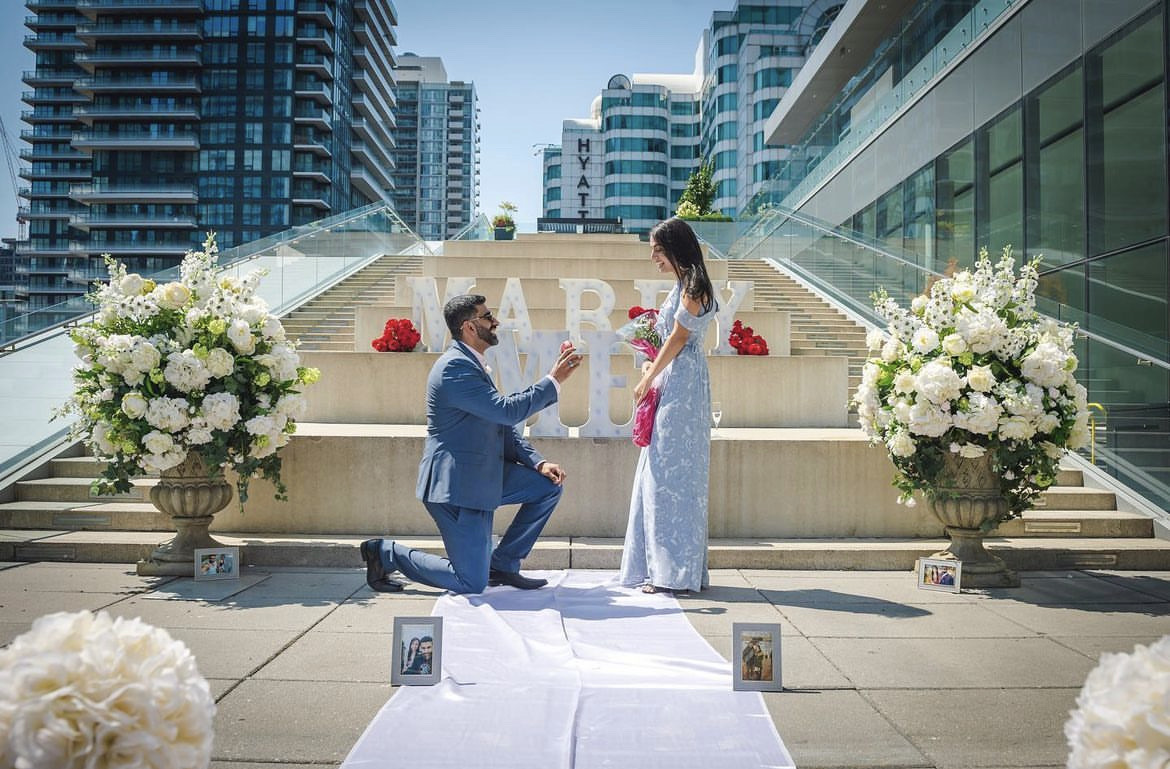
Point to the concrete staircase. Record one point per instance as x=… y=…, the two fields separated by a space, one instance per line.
x=326 y=322
x=818 y=328
x=785 y=493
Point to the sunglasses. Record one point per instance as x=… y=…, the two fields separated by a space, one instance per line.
x=486 y=316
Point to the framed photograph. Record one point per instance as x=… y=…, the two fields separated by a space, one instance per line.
x=217 y=563
x=755 y=657
x=418 y=651
x=939 y=574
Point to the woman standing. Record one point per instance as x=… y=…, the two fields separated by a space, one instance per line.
x=666 y=538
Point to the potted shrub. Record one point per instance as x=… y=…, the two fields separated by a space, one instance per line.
x=504 y=224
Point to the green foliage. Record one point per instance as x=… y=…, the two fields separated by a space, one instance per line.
x=700 y=190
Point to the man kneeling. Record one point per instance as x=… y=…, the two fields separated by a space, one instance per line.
x=475 y=459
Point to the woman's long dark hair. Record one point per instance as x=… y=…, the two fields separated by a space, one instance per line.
x=685 y=255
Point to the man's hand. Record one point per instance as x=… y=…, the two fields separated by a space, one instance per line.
x=567 y=363
x=553 y=472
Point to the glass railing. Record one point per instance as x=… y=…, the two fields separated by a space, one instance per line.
x=871 y=98
x=36 y=365
x=479 y=228
x=1125 y=371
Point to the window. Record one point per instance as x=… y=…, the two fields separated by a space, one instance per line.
x=1055 y=121
x=1127 y=189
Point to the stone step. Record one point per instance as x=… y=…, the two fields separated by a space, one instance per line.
x=1024 y=554
x=1097 y=524
x=73 y=489
x=117 y=516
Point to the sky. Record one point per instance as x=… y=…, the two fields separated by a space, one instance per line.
x=534 y=63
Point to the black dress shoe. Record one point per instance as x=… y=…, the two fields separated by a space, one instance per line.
x=514 y=579
x=376 y=577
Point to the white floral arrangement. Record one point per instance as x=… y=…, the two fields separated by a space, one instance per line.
x=1122 y=718
x=80 y=690
x=198 y=364
x=972 y=368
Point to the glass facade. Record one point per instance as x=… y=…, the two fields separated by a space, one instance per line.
x=1070 y=166
x=152 y=124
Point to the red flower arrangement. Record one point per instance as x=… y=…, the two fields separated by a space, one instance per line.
x=640 y=332
x=398 y=335
x=746 y=341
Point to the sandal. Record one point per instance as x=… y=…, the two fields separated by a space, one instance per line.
x=648 y=588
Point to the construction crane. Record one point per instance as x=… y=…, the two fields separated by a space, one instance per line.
x=8 y=145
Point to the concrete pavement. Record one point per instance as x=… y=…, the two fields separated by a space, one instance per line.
x=877 y=672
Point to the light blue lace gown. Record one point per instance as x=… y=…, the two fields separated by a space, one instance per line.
x=666 y=538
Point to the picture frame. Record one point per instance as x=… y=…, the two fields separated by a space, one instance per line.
x=755 y=657
x=942 y=574
x=217 y=563
x=409 y=665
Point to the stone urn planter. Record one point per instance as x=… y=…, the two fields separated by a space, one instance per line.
x=192 y=497
x=966 y=497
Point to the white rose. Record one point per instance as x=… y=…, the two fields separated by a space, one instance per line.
x=918 y=304
x=962 y=288
x=875 y=339
x=1016 y=428
x=925 y=340
x=954 y=344
x=904 y=381
x=901 y=445
x=131 y=285
x=157 y=442
x=172 y=296
x=134 y=404
x=980 y=378
x=891 y=349
x=239 y=333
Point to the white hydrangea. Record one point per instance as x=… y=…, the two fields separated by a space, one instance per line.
x=185 y=372
x=221 y=410
x=929 y=420
x=938 y=383
x=86 y=691
x=169 y=414
x=1046 y=365
x=1122 y=718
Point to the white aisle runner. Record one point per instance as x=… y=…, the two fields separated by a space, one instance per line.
x=582 y=674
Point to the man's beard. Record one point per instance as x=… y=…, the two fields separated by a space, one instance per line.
x=487 y=335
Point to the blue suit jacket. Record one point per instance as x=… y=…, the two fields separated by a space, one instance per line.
x=471 y=432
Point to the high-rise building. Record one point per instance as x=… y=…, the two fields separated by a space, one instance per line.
x=436 y=176
x=647 y=133
x=154 y=122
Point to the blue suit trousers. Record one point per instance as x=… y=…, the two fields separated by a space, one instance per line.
x=467 y=536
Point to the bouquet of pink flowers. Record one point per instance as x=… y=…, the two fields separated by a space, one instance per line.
x=640 y=333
